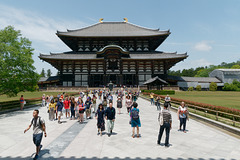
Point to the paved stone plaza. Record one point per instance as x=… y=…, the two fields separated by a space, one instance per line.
x=71 y=140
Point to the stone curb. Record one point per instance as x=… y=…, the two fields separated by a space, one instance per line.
x=210 y=121
x=18 y=109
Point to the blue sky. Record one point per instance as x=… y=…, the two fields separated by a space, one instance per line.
x=209 y=31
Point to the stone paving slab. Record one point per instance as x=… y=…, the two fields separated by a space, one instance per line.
x=201 y=142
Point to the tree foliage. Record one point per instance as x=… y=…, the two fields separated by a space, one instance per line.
x=43 y=74
x=204 y=71
x=190 y=88
x=213 y=86
x=198 y=87
x=17 y=72
x=49 y=73
x=234 y=86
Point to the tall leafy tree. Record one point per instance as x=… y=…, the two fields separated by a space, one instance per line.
x=17 y=72
x=43 y=74
x=49 y=73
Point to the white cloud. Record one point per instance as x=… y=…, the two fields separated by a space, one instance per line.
x=203 y=46
x=36 y=27
x=40 y=30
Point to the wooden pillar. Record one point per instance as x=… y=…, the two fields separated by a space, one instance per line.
x=152 y=67
x=104 y=72
x=61 y=73
x=89 y=69
x=121 y=71
x=165 y=70
x=136 y=69
x=73 y=72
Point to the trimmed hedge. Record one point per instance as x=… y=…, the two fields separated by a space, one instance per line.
x=6 y=105
x=160 y=92
x=207 y=106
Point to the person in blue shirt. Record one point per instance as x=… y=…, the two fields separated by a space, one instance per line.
x=135 y=119
x=110 y=117
x=59 y=108
x=88 y=105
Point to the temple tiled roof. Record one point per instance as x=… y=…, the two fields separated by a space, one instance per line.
x=133 y=55
x=155 y=80
x=194 y=79
x=113 y=29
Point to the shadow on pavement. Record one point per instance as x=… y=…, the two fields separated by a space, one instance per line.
x=106 y=158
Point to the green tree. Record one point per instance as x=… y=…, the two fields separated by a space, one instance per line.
x=198 y=87
x=190 y=88
x=43 y=74
x=236 y=66
x=49 y=73
x=17 y=72
x=213 y=86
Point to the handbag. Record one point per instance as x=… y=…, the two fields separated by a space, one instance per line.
x=161 y=118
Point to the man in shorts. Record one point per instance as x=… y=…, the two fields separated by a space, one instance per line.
x=88 y=104
x=67 y=103
x=38 y=129
x=59 y=108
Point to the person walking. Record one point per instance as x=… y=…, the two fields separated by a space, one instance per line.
x=135 y=119
x=59 y=108
x=21 y=102
x=67 y=104
x=43 y=100
x=72 y=107
x=104 y=102
x=182 y=116
x=51 y=110
x=119 y=104
x=152 y=98
x=88 y=105
x=56 y=101
x=134 y=97
x=158 y=102
x=165 y=120
x=94 y=101
x=39 y=127
x=128 y=103
x=168 y=100
x=110 y=117
x=100 y=119
x=81 y=110
x=47 y=101
x=110 y=98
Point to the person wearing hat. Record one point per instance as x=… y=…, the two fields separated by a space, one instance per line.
x=119 y=104
x=59 y=108
x=100 y=119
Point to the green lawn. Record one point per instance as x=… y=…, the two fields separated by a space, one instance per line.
x=219 y=98
x=27 y=95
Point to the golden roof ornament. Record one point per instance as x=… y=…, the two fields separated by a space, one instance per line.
x=101 y=20
x=125 y=20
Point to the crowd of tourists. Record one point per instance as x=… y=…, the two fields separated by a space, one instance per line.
x=84 y=107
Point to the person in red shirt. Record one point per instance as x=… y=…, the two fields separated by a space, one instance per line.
x=21 y=102
x=61 y=96
x=67 y=106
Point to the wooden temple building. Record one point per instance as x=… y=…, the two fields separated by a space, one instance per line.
x=120 y=52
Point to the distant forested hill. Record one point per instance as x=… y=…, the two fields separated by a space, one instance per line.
x=203 y=71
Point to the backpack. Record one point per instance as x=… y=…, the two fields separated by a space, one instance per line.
x=39 y=118
x=135 y=114
x=105 y=103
